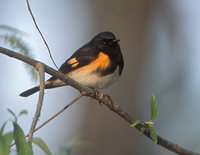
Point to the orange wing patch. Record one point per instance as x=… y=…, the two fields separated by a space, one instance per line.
x=72 y=61
x=75 y=64
x=101 y=62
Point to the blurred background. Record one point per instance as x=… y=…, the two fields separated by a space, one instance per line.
x=160 y=44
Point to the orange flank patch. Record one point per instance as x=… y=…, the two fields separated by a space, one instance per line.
x=102 y=62
x=72 y=61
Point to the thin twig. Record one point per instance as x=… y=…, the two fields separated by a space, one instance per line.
x=100 y=97
x=40 y=68
x=56 y=114
x=38 y=29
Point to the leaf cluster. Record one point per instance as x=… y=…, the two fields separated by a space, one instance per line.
x=13 y=37
x=148 y=126
x=18 y=137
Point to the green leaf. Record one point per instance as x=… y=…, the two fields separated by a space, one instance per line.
x=42 y=145
x=2 y=128
x=137 y=123
x=23 y=148
x=5 y=142
x=153 y=133
x=14 y=115
x=8 y=138
x=23 y=112
x=154 y=108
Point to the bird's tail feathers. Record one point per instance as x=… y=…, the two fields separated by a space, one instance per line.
x=51 y=83
x=30 y=91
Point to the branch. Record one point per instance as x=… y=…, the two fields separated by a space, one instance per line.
x=105 y=99
x=40 y=68
x=55 y=115
x=58 y=113
x=38 y=29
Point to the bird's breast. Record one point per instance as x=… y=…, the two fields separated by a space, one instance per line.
x=93 y=79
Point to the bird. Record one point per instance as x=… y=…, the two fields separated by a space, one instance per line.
x=97 y=64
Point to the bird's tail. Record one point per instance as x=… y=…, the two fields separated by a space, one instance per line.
x=30 y=91
x=51 y=83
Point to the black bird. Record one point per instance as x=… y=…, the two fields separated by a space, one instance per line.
x=97 y=64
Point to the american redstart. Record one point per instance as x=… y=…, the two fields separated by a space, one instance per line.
x=97 y=64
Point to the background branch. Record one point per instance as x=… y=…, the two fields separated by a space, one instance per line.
x=55 y=115
x=38 y=29
x=58 y=113
x=105 y=99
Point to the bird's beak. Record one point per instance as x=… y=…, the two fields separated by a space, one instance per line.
x=115 y=40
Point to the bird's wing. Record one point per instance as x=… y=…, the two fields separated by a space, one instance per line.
x=80 y=58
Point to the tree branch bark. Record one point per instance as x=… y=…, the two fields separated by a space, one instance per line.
x=40 y=68
x=105 y=99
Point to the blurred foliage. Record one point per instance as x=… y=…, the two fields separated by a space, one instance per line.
x=148 y=126
x=23 y=112
x=23 y=147
x=39 y=142
x=13 y=37
x=5 y=141
x=74 y=143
